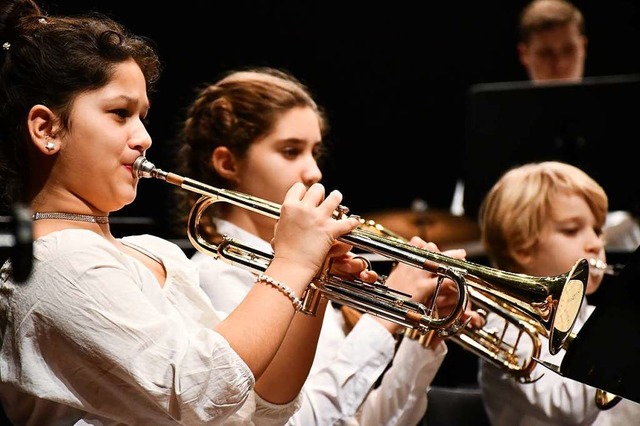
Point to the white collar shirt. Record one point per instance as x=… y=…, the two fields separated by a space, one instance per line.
x=92 y=338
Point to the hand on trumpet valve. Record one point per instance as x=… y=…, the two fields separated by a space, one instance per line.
x=306 y=233
x=447 y=298
x=421 y=284
x=475 y=319
x=425 y=286
x=348 y=265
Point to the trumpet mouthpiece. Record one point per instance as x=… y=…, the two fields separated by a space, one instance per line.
x=142 y=167
x=603 y=267
x=597 y=263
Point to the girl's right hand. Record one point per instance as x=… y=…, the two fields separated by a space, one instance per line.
x=306 y=230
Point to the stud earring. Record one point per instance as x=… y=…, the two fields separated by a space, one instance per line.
x=50 y=146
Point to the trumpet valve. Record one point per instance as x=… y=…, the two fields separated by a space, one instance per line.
x=311 y=300
x=422 y=336
x=343 y=211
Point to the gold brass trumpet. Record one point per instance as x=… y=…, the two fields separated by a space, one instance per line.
x=491 y=345
x=536 y=305
x=374 y=298
x=488 y=343
x=606 y=400
x=552 y=301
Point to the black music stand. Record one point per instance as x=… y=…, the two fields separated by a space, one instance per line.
x=589 y=124
x=606 y=352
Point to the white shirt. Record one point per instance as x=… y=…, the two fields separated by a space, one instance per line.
x=338 y=390
x=92 y=338
x=553 y=399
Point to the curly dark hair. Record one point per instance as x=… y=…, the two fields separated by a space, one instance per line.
x=49 y=60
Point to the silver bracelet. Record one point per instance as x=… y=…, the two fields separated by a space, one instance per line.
x=297 y=303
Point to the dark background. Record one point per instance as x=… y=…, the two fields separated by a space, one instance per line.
x=393 y=78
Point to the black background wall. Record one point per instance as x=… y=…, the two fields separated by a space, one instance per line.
x=393 y=77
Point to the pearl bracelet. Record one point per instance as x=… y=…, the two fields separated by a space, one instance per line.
x=297 y=303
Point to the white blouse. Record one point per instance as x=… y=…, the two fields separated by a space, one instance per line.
x=339 y=390
x=92 y=338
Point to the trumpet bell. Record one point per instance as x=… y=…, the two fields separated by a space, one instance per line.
x=571 y=292
x=552 y=301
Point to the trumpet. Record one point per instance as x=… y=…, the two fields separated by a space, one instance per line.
x=374 y=298
x=502 y=293
x=488 y=343
x=552 y=301
x=491 y=345
x=606 y=400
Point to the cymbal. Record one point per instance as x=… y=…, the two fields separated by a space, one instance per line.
x=438 y=226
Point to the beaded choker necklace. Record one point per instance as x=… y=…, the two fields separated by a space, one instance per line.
x=71 y=216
